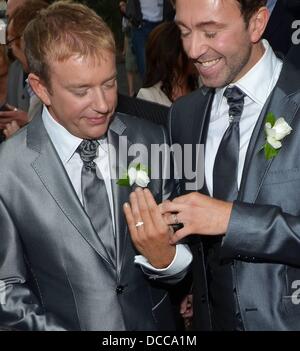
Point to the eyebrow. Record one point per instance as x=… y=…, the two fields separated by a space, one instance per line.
x=83 y=86
x=203 y=24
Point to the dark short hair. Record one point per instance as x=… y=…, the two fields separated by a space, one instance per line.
x=249 y=7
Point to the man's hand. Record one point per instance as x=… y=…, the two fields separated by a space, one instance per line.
x=21 y=117
x=199 y=214
x=152 y=238
x=186 y=310
x=10 y=129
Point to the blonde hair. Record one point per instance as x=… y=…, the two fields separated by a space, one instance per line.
x=63 y=30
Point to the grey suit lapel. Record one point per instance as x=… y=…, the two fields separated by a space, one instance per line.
x=201 y=125
x=52 y=174
x=281 y=104
x=118 y=140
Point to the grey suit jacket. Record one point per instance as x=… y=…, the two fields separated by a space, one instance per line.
x=56 y=271
x=263 y=239
x=17 y=94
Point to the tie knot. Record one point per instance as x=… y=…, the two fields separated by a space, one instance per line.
x=88 y=151
x=235 y=99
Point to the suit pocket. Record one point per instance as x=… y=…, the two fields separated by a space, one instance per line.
x=282 y=188
x=291 y=299
x=282 y=176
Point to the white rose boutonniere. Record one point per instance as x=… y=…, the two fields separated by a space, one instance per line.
x=136 y=174
x=276 y=130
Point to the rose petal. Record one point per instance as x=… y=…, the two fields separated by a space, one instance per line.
x=282 y=129
x=274 y=143
x=132 y=174
x=142 y=179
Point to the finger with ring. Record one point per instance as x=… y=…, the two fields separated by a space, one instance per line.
x=175 y=219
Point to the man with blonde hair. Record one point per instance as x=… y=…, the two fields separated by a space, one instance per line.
x=67 y=260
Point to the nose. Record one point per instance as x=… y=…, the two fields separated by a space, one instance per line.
x=195 y=46
x=100 y=103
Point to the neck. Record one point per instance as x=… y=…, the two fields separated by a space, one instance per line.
x=257 y=53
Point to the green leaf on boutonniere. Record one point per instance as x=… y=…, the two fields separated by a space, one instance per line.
x=124 y=181
x=137 y=174
x=141 y=167
x=271 y=118
x=270 y=152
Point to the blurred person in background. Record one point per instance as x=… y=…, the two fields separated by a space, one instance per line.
x=16 y=118
x=279 y=30
x=170 y=74
x=145 y=15
x=130 y=59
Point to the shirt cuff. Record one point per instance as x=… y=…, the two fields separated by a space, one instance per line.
x=182 y=259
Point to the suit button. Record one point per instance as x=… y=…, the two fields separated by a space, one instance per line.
x=203 y=299
x=119 y=289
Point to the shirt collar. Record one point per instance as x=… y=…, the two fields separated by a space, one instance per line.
x=64 y=142
x=251 y=83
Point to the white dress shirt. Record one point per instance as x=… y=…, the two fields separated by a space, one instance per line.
x=66 y=144
x=257 y=84
x=154 y=94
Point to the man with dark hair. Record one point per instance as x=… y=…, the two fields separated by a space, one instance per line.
x=246 y=217
x=67 y=261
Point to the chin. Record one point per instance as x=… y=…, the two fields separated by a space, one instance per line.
x=97 y=133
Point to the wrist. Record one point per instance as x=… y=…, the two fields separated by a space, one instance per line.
x=163 y=260
x=225 y=217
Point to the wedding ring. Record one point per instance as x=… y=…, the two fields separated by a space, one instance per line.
x=139 y=224
x=175 y=219
x=15 y=109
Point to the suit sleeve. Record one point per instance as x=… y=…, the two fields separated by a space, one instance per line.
x=20 y=309
x=262 y=233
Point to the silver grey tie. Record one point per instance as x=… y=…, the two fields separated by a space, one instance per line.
x=94 y=195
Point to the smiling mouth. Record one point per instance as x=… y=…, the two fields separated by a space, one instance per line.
x=209 y=63
x=97 y=120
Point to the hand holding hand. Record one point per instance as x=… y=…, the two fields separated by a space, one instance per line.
x=199 y=214
x=149 y=232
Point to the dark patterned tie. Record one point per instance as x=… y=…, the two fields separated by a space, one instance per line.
x=225 y=172
x=94 y=196
x=225 y=310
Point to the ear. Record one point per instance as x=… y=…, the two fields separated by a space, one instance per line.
x=258 y=23
x=39 y=88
